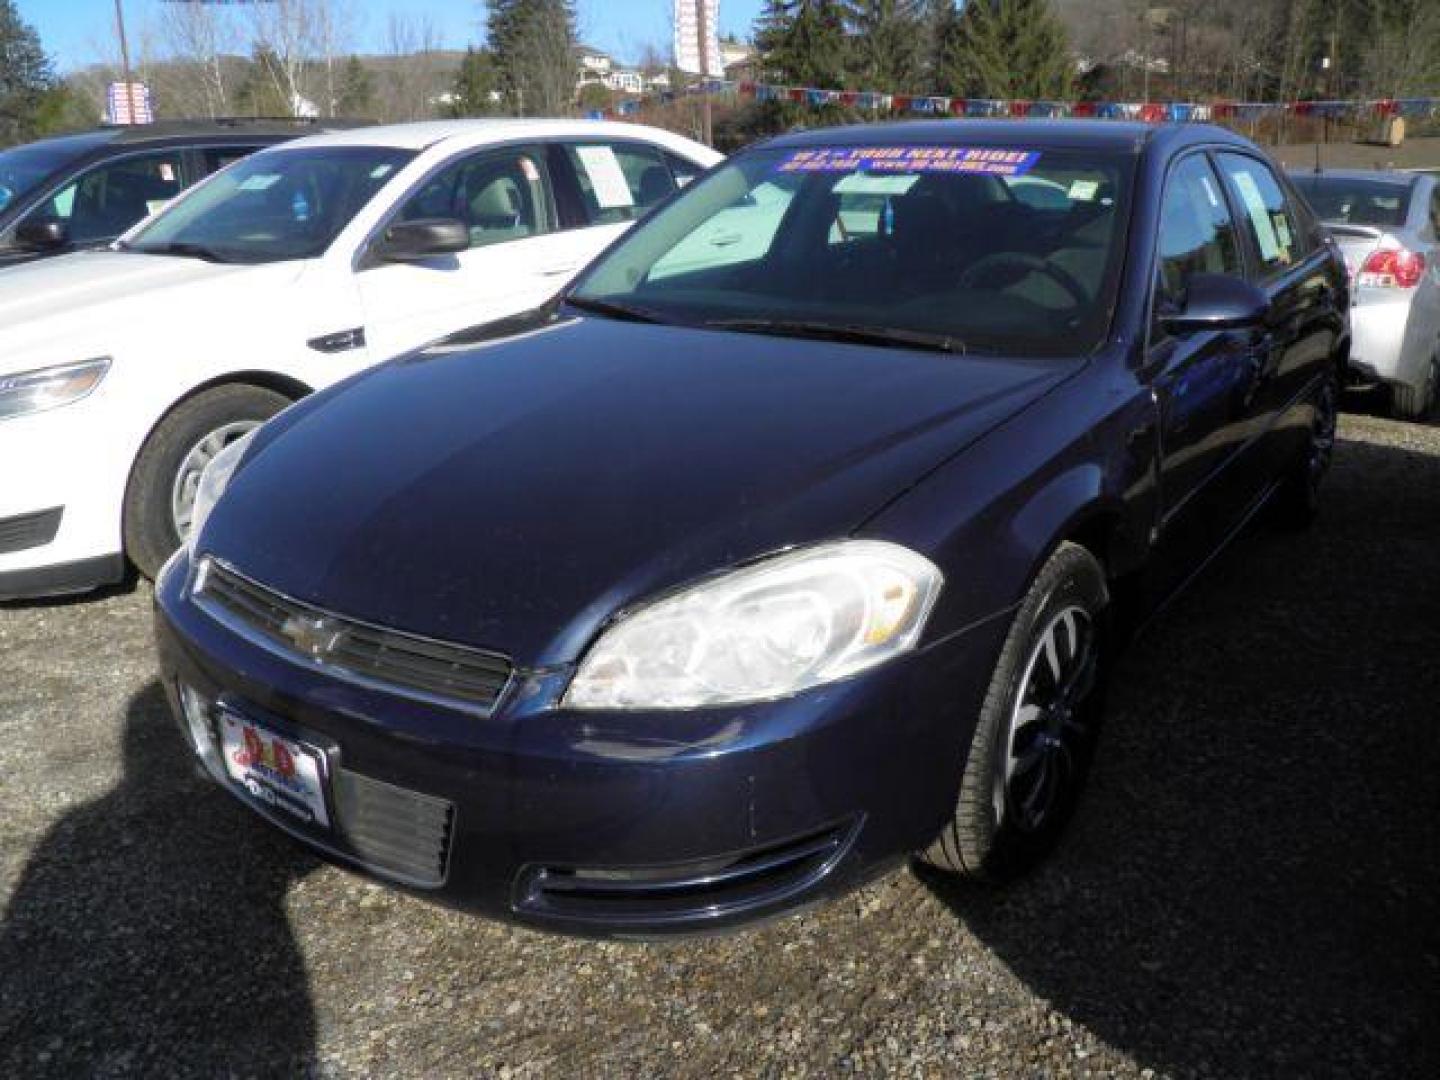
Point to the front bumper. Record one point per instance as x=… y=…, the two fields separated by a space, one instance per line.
x=63 y=460
x=610 y=824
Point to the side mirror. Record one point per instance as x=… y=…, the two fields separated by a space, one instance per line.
x=1218 y=302
x=42 y=234
x=408 y=241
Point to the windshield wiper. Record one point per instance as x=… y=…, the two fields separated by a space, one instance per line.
x=178 y=247
x=849 y=332
x=616 y=310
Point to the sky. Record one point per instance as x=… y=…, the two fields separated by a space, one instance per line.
x=80 y=32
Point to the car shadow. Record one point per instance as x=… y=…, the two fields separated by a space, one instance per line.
x=1252 y=885
x=148 y=933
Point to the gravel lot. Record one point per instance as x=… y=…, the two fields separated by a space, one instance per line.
x=1251 y=887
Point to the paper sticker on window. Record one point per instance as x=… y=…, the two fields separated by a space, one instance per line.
x=152 y=205
x=1083 y=190
x=870 y=184
x=1259 y=215
x=528 y=170
x=167 y=172
x=380 y=171
x=607 y=179
x=259 y=182
x=1282 y=228
x=981 y=161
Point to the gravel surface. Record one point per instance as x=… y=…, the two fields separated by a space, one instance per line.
x=1251 y=887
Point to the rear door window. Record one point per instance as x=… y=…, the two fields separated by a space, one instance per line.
x=217 y=157
x=1271 y=222
x=619 y=181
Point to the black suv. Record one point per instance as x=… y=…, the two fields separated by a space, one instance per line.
x=82 y=191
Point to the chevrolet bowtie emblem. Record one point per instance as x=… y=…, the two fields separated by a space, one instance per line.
x=314 y=636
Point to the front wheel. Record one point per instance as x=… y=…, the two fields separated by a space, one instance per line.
x=1036 y=732
x=161 y=493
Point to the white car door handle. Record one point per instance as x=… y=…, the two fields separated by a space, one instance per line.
x=556 y=271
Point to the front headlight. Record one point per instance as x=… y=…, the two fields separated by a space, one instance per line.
x=766 y=631
x=27 y=392
x=213 y=482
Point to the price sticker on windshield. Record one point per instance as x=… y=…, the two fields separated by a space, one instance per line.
x=974 y=160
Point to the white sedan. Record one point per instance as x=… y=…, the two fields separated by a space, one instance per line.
x=122 y=372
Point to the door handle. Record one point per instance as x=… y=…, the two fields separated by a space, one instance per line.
x=725 y=239
x=556 y=271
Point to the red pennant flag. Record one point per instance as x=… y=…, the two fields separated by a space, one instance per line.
x=849 y=97
x=795 y=93
x=1019 y=108
x=958 y=106
x=1152 y=112
x=1083 y=108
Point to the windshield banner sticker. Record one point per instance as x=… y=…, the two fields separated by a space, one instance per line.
x=910 y=159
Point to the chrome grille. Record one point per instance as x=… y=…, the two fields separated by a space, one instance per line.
x=394 y=660
x=400 y=832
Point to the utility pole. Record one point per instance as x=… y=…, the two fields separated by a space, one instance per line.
x=706 y=124
x=125 y=62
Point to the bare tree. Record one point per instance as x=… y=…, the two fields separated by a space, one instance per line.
x=198 y=37
x=411 y=83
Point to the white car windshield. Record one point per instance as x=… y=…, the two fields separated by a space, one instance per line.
x=276 y=205
x=1012 y=250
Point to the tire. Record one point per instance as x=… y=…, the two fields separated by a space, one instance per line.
x=1297 y=500
x=1416 y=402
x=221 y=415
x=996 y=832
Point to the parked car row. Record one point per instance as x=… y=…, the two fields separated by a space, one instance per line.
x=286 y=272
x=794 y=537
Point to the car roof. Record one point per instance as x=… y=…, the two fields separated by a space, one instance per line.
x=84 y=142
x=1125 y=136
x=228 y=127
x=424 y=134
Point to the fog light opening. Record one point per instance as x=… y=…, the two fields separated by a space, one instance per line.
x=198 y=719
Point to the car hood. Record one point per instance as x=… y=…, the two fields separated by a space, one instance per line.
x=95 y=300
x=514 y=495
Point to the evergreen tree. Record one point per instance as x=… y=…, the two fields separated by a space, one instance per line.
x=1010 y=49
x=887 y=44
x=260 y=93
x=27 y=78
x=939 y=28
x=476 y=84
x=803 y=43
x=533 y=43
x=356 y=94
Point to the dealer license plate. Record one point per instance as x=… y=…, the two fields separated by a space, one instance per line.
x=275 y=770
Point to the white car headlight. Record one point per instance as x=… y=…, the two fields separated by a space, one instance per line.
x=213 y=482
x=762 y=632
x=27 y=392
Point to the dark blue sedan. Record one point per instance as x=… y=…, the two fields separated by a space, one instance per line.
x=794 y=540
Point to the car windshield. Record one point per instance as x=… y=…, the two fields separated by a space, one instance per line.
x=1356 y=200
x=275 y=205
x=26 y=167
x=1011 y=250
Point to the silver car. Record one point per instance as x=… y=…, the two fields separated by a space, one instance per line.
x=1388 y=227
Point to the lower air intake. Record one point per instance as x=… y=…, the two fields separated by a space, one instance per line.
x=686 y=892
